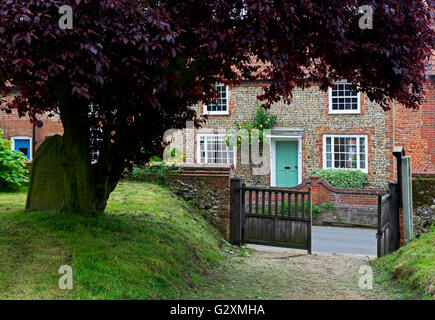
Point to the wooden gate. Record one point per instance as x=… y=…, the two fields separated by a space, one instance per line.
x=388 y=234
x=270 y=216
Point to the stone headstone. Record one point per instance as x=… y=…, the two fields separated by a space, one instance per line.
x=46 y=189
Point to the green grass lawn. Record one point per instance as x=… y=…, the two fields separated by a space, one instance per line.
x=413 y=265
x=148 y=245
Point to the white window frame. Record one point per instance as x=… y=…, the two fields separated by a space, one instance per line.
x=198 y=148
x=23 y=138
x=331 y=111
x=217 y=113
x=357 y=137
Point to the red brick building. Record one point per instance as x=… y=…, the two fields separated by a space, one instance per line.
x=23 y=135
x=415 y=129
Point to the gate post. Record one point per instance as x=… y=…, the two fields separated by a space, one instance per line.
x=310 y=222
x=398 y=153
x=394 y=215
x=379 y=232
x=235 y=214
x=406 y=189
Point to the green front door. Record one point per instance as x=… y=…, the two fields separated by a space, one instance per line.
x=286 y=163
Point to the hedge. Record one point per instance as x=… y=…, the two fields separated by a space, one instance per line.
x=342 y=178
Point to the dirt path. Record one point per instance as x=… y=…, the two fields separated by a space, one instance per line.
x=289 y=275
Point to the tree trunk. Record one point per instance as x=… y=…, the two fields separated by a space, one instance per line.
x=84 y=188
x=79 y=183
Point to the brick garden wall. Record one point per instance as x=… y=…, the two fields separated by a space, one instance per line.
x=208 y=187
x=353 y=207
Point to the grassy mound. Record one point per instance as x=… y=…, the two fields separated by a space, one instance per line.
x=148 y=245
x=412 y=265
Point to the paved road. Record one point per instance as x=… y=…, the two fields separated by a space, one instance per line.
x=335 y=240
x=344 y=240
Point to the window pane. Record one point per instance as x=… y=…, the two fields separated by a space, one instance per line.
x=363 y=151
x=219 y=104
x=213 y=149
x=362 y=142
x=329 y=160
x=362 y=159
x=344 y=98
x=344 y=152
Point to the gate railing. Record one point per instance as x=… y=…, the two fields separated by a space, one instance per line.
x=275 y=201
x=274 y=216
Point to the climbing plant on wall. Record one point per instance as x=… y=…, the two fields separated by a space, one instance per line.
x=263 y=120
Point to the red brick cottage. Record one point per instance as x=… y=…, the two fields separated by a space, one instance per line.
x=24 y=136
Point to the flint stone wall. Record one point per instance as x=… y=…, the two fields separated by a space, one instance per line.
x=207 y=186
x=308 y=111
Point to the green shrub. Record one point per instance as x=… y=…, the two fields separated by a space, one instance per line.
x=343 y=178
x=137 y=174
x=316 y=208
x=13 y=172
x=153 y=173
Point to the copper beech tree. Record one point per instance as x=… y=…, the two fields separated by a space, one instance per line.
x=131 y=69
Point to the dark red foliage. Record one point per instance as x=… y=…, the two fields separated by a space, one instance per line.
x=140 y=64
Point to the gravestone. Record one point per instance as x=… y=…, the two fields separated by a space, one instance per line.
x=46 y=189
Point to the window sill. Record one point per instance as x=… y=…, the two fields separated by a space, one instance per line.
x=362 y=170
x=344 y=112
x=216 y=114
